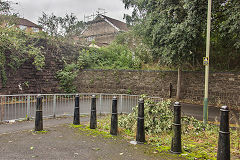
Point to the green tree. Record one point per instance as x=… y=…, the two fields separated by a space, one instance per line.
x=226 y=35
x=67 y=76
x=175 y=29
x=5 y=8
x=6 y=12
x=64 y=26
x=50 y=24
x=70 y=25
x=134 y=43
x=171 y=28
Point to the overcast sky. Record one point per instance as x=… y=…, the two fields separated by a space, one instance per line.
x=32 y=9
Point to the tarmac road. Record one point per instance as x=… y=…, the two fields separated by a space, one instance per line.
x=213 y=113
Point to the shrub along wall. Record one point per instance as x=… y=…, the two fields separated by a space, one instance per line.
x=224 y=88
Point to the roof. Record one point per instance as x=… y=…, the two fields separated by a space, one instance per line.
x=118 y=25
x=25 y=22
x=20 y=21
x=121 y=25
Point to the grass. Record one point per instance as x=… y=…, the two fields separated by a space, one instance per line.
x=40 y=132
x=201 y=144
x=93 y=132
x=197 y=143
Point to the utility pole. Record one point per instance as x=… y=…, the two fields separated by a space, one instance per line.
x=206 y=59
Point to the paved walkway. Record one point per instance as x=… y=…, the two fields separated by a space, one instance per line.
x=29 y=125
x=18 y=141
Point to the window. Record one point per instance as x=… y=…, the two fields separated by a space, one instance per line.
x=35 y=29
x=22 y=27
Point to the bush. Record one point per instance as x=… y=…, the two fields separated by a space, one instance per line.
x=16 y=46
x=158 y=118
x=67 y=77
x=111 y=57
x=199 y=141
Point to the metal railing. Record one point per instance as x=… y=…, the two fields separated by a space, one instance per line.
x=14 y=107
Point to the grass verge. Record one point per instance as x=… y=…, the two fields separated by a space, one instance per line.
x=196 y=145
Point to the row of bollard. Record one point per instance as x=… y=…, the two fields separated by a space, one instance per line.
x=176 y=146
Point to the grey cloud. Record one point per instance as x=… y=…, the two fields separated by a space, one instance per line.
x=32 y=9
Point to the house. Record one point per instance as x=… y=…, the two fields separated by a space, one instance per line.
x=27 y=25
x=21 y=23
x=102 y=30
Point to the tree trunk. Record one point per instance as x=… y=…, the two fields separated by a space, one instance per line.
x=179 y=84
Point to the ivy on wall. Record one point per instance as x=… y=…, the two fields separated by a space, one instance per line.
x=16 y=46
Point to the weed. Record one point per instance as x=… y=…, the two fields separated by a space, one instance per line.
x=93 y=132
x=41 y=132
x=198 y=141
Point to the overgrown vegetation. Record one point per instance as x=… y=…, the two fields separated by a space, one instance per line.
x=112 y=57
x=66 y=26
x=198 y=141
x=16 y=47
x=67 y=76
x=174 y=31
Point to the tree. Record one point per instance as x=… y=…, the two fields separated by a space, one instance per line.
x=71 y=25
x=171 y=28
x=5 y=7
x=175 y=29
x=50 y=24
x=6 y=12
x=64 y=26
x=226 y=35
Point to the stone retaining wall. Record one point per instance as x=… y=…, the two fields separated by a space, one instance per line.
x=27 y=79
x=224 y=88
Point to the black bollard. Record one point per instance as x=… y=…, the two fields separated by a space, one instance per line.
x=140 y=137
x=224 y=135
x=170 y=90
x=93 y=118
x=114 y=118
x=176 y=146
x=76 y=119
x=39 y=118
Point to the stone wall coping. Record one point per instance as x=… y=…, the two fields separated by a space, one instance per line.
x=126 y=70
